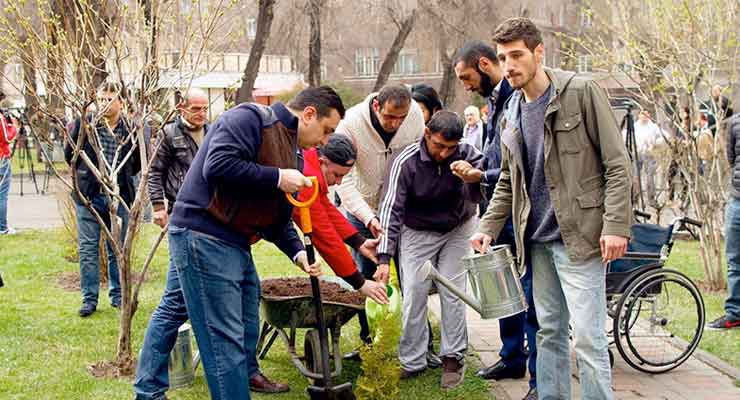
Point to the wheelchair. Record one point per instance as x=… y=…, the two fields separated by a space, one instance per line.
x=648 y=302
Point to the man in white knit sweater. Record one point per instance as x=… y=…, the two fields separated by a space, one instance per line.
x=380 y=126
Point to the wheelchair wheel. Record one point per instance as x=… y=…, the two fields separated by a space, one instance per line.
x=655 y=311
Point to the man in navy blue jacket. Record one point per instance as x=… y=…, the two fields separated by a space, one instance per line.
x=478 y=69
x=234 y=195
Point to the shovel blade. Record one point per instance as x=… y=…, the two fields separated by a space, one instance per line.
x=339 y=392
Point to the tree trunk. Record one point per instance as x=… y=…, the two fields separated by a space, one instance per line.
x=264 y=21
x=391 y=57
x=449 y=80
x=447 y=86
x=314 y=44
x=150 y=78
x=29 y=83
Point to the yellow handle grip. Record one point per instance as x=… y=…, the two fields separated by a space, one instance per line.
x=306 y=226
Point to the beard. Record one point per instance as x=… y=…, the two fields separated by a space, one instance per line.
x=486 y=84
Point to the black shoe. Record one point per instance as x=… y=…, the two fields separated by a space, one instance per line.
x=433 y=360
x=531 y=395
x=723 y=323
x=500 y=371
x=115 y=304
x=353 y=355
x=87 y=310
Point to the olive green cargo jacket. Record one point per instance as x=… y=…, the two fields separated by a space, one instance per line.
x=586 y=167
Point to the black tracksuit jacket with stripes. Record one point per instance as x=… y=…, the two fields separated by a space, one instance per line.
x=425 y=195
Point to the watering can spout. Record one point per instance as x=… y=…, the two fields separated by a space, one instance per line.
x=432 y=274
x=495 y=289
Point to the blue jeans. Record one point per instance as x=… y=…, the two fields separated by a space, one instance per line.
x=513 y=329
x=152 y=378
x=732 y=248
x=221 y=289
x=88 y=237
x=5 y=176
x=570 y=291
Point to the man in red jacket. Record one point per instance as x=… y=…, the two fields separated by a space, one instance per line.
x=7 y=134
x=331 y=231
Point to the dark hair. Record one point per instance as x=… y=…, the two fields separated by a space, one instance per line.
x=446 y=123
x=426 y=95
x=398 y=94
x=323 y=98
x=339 y=150
x=113 y=87
x=518 y=28
x=471 y=52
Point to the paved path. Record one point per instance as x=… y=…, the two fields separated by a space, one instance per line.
x=693 y=380
x=34 y=211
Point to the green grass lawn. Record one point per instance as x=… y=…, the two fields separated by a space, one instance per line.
x=723 y=344
x=45 y=347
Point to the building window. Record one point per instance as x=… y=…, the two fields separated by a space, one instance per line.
x=584 y=63
x=367 y=61
x=407 y=63
x=251 y=28
x=585 y=17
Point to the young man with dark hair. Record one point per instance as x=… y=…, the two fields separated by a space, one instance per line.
x=483 y=75
x=112 y=136
x=234 y=195
x=331 y=230
x=565 y=182
x=427 y=214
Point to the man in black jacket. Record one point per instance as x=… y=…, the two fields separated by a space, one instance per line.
x=180 y=141
x=115 y=141
x=430 y=212
x=731 y=318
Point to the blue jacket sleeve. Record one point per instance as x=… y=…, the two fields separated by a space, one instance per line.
x=233 y=150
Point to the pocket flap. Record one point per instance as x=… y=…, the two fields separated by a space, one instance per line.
x=568 y=123
x=590 y=199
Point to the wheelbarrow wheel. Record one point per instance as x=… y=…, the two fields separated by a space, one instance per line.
x=312 y=352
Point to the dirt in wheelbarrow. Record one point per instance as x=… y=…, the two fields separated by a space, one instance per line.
x=330 y=291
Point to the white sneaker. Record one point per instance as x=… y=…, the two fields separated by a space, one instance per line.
x=9 y=231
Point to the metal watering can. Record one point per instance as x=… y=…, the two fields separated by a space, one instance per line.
x=182 y=363
x=496 y=291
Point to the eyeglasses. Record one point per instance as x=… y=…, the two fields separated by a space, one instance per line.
x=197 y=110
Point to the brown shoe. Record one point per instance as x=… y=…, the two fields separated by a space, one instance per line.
x=453 y=372
x=260 y=383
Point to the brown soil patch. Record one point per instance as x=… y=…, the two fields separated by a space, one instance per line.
x=112 y=369
x=70 y=281
x=294 y=287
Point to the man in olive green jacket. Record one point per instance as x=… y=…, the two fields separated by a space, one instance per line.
x=565 y=180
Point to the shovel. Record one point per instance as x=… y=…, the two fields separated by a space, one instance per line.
x=327 y=391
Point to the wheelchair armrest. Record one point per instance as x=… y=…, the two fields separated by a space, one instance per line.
x=636 y=255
